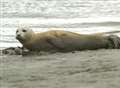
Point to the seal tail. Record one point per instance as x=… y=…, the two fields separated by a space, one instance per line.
x=114 y=42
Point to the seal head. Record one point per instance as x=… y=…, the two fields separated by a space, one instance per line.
x=24 y=34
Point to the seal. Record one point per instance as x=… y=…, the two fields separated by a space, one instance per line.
x=65 y=41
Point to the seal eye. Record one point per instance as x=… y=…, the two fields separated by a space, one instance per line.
x=24 y=30
x=17 y=31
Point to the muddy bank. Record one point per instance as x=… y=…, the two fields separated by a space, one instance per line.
x=85 y=69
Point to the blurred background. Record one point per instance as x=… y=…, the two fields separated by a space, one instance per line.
x=81 y=16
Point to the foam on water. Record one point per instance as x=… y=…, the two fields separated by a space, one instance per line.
x=13 y=22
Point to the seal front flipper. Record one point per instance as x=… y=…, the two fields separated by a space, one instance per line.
x=56 y=43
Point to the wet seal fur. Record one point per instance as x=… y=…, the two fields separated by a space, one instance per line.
x=65 y=41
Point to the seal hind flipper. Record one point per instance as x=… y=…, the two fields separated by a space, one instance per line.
x=115 y=41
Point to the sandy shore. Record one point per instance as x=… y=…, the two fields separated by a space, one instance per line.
x=85 y=69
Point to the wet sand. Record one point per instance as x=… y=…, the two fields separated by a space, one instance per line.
x=84 y=69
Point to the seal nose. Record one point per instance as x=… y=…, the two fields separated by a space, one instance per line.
x=18 y=35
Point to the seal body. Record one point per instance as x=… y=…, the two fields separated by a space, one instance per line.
x=62 y=41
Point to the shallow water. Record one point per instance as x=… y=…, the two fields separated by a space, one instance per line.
x=82 y=16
